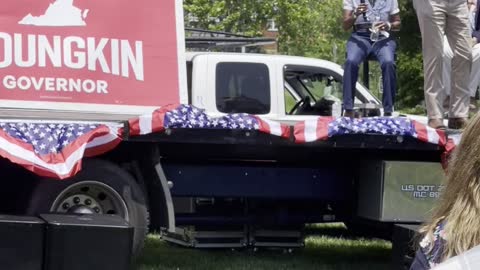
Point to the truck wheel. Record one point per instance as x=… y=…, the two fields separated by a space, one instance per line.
x=100 y=187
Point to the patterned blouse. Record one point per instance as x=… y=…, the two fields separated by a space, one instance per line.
x=433 y=250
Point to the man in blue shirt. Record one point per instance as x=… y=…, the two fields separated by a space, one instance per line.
x=372 y=21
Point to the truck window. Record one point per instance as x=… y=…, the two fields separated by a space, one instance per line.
x=242 y=88
x=313 y=83
x=322 y=86
x=289 y=101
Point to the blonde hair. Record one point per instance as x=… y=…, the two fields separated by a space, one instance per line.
x=459 y=205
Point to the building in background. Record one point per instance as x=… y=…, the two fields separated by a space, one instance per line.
x=207 y=40
x=271 y=31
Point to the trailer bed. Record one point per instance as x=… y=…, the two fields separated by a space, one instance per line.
x=56 y=148
x=248 y=144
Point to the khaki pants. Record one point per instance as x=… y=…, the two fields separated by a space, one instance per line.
x=474 y=80
x=436 y=17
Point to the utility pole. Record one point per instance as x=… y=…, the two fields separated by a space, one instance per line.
x=334 y=51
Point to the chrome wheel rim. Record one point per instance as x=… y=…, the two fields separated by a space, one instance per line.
x=90 y=197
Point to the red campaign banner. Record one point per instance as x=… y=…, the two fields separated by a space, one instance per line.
x=112 y=52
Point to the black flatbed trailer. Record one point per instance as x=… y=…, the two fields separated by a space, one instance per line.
x=248 y=144
x=260 y=187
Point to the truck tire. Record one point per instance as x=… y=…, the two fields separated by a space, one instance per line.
x=100 y=187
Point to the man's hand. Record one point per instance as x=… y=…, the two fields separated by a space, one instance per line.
x=383 y=26
x=473 y=41
x=361 y=9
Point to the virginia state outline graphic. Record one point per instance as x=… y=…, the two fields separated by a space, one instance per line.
x=59 y=13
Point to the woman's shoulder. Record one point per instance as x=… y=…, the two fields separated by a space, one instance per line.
x=433 y=246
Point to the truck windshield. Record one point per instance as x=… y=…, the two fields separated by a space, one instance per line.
x=242 y=88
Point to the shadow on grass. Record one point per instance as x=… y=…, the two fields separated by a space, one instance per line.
x=321 y=252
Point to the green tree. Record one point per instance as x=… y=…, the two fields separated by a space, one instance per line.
x=410 y=61
x=311 y=28
x=242 y=17
x=306 y=27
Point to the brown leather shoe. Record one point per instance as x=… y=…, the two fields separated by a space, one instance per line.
x=349 y=113
x=457 y=123
x=436 y=124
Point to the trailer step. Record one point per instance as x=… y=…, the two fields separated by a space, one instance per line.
x=190 y=236
x=277 y=238
x=241 y=237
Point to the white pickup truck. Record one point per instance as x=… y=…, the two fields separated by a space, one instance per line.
x=284 y=88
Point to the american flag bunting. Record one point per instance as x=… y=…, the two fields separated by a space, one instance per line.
x=322 y=128
x=185 y=116
x=56 y=149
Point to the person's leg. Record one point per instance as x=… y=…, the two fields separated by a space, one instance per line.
x=447 y=73
x=474 y=78
x=458 y=36
x=357 y=50
x=385 y=52
x=475 y=72
x=431 y=18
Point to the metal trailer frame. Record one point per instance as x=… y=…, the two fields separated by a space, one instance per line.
x=243 y=156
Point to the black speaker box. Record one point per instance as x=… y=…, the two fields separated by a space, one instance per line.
x=21 y=243
x=403 y=245
x=87 y=242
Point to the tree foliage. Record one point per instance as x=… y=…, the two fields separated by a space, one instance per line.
x=312 y=28
x=245 y=17
x=410 y=61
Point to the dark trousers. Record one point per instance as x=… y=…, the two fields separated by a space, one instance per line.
x=359 y=47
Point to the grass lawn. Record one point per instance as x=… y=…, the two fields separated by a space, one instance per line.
x=327 y=248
